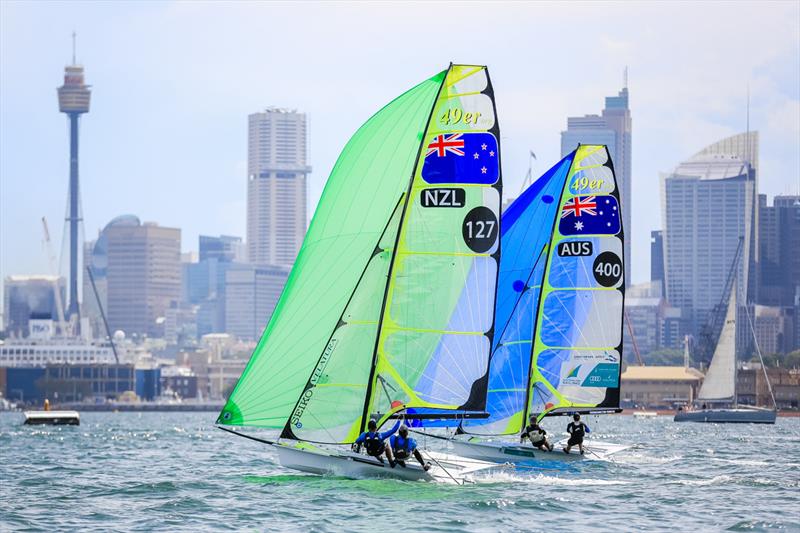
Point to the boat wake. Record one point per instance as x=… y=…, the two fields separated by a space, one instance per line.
x=643 y=459
x=542 y=479
x=716 y=480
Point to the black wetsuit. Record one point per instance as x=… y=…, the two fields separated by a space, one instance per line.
x=577 y=430
x=536 y=435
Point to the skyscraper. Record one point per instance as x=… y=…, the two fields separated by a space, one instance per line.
x=96 y=257
x=144 y=276
x=708 y=209
x=73 y=99
x=251 y=294
x=204 y=281
x=276 y=186
x=779 y=243
x=612 y=128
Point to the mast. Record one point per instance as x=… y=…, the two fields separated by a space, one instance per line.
x=368 y=395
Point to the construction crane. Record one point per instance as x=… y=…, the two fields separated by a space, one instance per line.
x=633 y=339
x=62 y=324
x=102 y=313
x=710 y=331
x=529 y=176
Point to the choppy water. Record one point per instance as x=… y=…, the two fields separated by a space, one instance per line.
x=175 y=471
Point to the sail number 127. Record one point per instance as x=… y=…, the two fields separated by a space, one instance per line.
x=479 y=229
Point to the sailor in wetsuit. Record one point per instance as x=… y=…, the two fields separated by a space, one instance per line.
x=577 y=430
x=537 y=435
x=373 y=441
x=403 y=447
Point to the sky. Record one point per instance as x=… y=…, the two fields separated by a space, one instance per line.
x=173 y=83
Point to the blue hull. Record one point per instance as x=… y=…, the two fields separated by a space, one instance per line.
x=727 y=416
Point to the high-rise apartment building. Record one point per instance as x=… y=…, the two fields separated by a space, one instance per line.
x=144 y=276
x=709 y=209
x=613 y=128
x=276 y=186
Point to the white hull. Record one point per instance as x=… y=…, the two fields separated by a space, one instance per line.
x=52 y=418
x=344 y=463
x=728 y=416
x=505 y=451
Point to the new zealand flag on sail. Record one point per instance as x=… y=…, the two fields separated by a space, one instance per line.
x=590 y=215
x=462 y=158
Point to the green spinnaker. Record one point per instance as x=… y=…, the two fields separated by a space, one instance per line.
x=362 y=191
x=415 y=330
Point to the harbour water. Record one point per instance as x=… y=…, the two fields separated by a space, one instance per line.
x=176 y=472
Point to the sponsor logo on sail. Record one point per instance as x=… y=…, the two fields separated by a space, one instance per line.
x=317 y=376
x=572 y=377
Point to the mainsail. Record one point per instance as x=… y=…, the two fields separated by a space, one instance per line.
x=577 y=350
x=409 y=324
x=720 y=381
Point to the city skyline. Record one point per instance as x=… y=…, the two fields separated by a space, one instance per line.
x=196 y=162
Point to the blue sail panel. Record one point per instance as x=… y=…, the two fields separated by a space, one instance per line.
x=525 y=232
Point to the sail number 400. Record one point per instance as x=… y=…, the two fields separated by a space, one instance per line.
x=454 y=116
x=607 y=269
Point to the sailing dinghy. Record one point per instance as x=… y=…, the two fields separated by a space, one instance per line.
x=718 y=391
x=390 y=304
x=559 y=311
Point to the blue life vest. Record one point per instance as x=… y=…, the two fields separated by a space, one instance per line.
x=400 y=443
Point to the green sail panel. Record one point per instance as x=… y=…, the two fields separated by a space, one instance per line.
x=330 y=408
x=363 y=189
x=436 y=329
x=577 y=352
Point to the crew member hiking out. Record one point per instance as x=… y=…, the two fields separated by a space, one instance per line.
x=403 y=447
x=577 y=430
x=537 y=435
x=374 y=442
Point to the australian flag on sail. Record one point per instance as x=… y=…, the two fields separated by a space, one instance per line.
x=461 y=158
x=590 y=215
